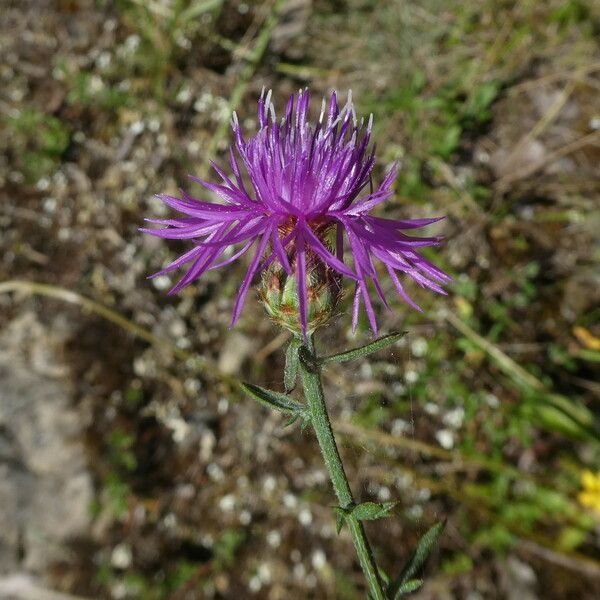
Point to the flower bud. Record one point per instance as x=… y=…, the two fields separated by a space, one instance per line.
x=279 y=293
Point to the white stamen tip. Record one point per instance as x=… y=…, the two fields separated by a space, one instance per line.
x=268 y=99
x=323 y=107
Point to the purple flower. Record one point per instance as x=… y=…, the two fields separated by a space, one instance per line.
x=305 y=183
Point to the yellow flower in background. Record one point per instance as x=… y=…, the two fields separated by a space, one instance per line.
x=590 y=495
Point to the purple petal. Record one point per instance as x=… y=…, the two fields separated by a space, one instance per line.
x=182 y=260
x=243 y=231
x=279 y=249
x=407 y=224
x=234 y=257
x=368 y=306
x=301 y=282
x=241 y=297
x=232 y=196
x=203 y=210
x=401 y=291
x=325 y=254
x=202 y=263
x=182 y=233
x=268 y=261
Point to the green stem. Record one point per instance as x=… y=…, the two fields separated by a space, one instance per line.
x=313 y=392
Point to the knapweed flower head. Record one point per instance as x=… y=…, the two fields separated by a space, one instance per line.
x=299 y=198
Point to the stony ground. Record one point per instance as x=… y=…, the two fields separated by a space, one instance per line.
x=129 y=465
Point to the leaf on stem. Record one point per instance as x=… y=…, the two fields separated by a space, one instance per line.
x=366 y=511
x=405 y=582
x=412 y=585
x=290 y=373
x=378 y=344
x=276 y=401
x=340 y=518
x=369 y=511
x=383 y=576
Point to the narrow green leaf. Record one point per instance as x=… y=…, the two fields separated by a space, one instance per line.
x=410 y=586
x=305 y=421
x=369 y=511
x=292 y=420
x=378 y=344
x=274 y=400
x=417 y=560
x=582 y=418
x=384 y=576
x=290 y=373
x=423 y=550
x=340 y=518
x=198 y=8
x=591 y=355
x=366 y=511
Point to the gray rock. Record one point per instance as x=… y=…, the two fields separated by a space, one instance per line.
x=582 y=293
x=236 y=349
x=45 y=487
x=519 y=579
x=21 y=586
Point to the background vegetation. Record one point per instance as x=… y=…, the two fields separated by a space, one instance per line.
x=486 y=416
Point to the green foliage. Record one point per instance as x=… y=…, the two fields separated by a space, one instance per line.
x=496 y=536
x=366 y=350
x=346 y=587
x=477 y=107
x=438 y=121
x=166 y=582
x=369 y=511
x=166 y=30
x=571 y=12
x=156 y=586
x=122 y=463
x=365 y=511
x=561 y=356
x=412 y=585
x=52 y=136
x=588 y=355
x=570 y=538
x=117 y=492
x=134 y=397
x=121 y=453
x=565 y=415
x=405 y=582
x=372 y=412
x=274 y=400
x=40 y=140
x=226 y=547
x=87 y=89
x=457 y=564
x=291 y=364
